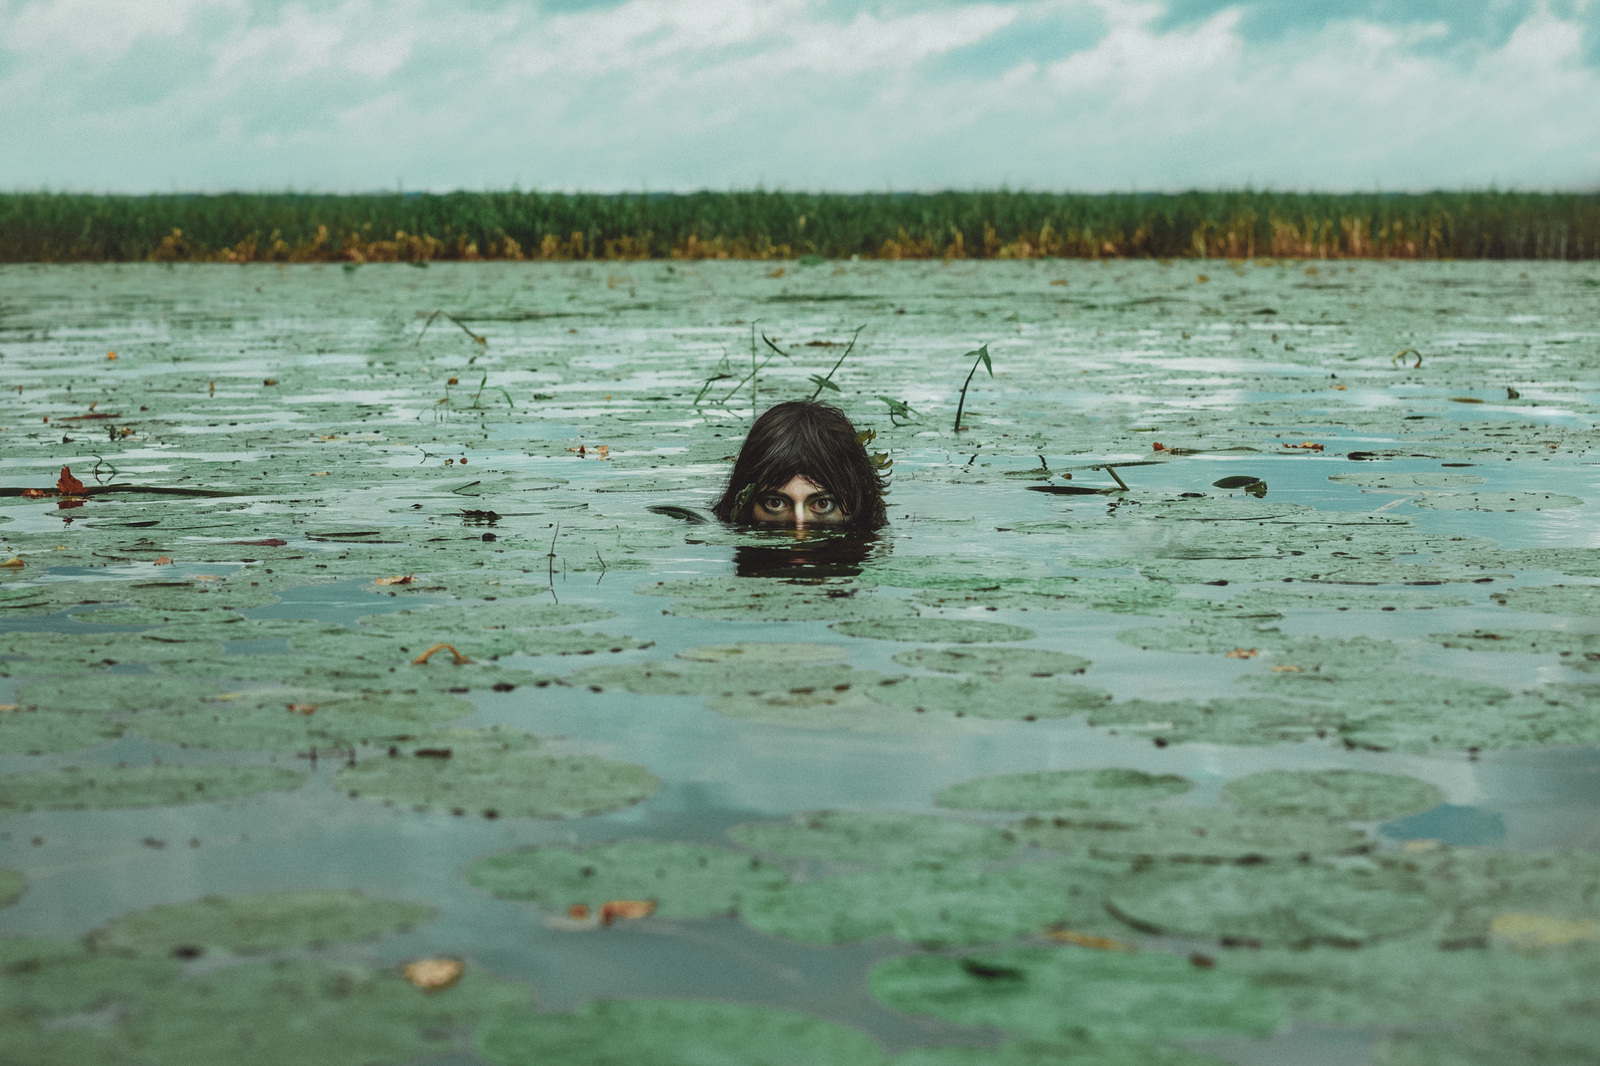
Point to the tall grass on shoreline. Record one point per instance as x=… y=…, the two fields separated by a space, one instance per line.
x=246 y=228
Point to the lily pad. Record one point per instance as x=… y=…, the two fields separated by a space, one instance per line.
x=108 y=787
x=293 y=719
x=776 y=600
x=872 y=838
x=499 y=771
x=933 y=907
x=1062 y=790
x=812 y=706
x=991 y=696
x=265 y=921
x=673 y=1032
x=1226 y=720
x=1552 y=599
x=1420 y=480
x=50 y=976
x=147 y=616
x=1026 y=662
x=1292 y=904
x=1359 y=795
x=427 y=623
x=1498 y=501
x=750 y=652
x=1200 y=834
x=1064 y=993
x=1524 y=641
x=103 y=693
x=312 y=1014
x=12 y=886
x=38 y=732
x=1082 y=1051
x=684 y=880
x=939 y=630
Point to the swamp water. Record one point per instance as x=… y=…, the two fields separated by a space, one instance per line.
x=1301 y=768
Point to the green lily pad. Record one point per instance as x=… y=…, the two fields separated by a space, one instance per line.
x=725 y=676
x=312 y=1014
x=1302 y=596
x=1498 y=501
x=1082 y=1051
x=103 y=693
x=1552 y=599
x=1062 y=790
x=38 y=732
x=872 y=838
x=991 y=696
x=1228 y=720
x=108 y=787
x=1189 y=833
x=12 y=886
x=499 y=771
x=50 y=976
x=1063 y=993
x=939 y=630
x=1361 y=795
x=684 y=880
x=1524 y=641
x=1415 y=981
x=1134 y=595
x=932 y=907
x=1569 y=1037
x=1477 y=885
x=776 y=600
x=438 y=623
x=1293 y=904
x=148 y=616
x=275 y=719
x=1421 y=480
x=264 y=921
x=812 y=706
x=1025 y=662
x=673 y=1032
x=749 y=652
x=56 y=653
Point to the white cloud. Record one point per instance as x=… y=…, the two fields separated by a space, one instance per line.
x=108 y=94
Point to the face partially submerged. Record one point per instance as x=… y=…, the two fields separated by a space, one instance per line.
x=800 y=503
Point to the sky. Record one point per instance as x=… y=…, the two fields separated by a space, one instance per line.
x=676 y=95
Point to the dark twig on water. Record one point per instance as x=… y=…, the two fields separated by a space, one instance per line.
x=481 y=340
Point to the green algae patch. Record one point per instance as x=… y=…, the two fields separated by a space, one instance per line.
x=104 y=693
x=123 y=787
x=991 y=696
x=1064 y=993
x=42 y=977
x=937 y=630
x=1195 y=834
x=753 y=652
x=292 y=719
x=1552 y=599
x=1358 y=795
x=264 y=921
x=933 y=908
x=1423 y=480
x=1289 y=904
x=1062 y=790
x=38 y=732
x=673 y=1032
x=495 y=772
x=872 y=838
x=1080 y=1051
x=1023 y=662
x=312 y=1014
x=684 y=880
x=1498 y=501
x=12 y=886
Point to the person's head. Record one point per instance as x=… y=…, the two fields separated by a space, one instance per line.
x=801 y=466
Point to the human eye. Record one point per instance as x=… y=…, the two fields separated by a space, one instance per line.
x=774 y=503
x=824 y=505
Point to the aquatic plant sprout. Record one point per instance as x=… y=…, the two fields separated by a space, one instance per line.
x=1223 y=691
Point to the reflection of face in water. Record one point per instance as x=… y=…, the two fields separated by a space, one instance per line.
x=812 y=553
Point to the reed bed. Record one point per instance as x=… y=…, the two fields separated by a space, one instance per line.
x=246 y=228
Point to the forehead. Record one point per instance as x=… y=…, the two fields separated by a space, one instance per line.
x=798 y=486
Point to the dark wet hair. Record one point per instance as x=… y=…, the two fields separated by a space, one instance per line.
x=811 y=439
